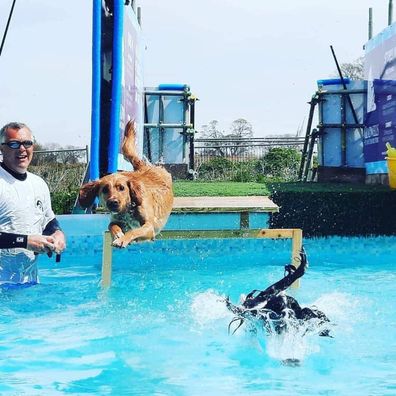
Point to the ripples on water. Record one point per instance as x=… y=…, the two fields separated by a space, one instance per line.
x=162 y=329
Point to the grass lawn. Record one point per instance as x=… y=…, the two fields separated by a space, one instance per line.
x=193 y=188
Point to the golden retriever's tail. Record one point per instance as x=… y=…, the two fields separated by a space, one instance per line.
x=129 y=146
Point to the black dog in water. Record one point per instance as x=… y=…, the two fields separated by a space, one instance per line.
x=271 y=305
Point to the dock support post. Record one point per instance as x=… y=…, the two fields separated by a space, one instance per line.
x=106 y=259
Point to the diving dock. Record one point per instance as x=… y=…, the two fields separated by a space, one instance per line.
x=224 y=204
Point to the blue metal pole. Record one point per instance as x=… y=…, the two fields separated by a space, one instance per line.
x=96 y=91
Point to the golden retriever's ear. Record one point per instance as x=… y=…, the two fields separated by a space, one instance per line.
x=88 y=193
x=136 y=192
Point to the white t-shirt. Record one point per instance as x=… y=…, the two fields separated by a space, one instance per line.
x=25 y=208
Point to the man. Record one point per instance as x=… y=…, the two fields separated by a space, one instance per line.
x=27 y=223
x=272 y=305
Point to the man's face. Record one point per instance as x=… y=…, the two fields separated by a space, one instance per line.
x=18 y=159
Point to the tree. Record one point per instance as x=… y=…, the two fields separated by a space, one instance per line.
x=210 y=131
x=241 y=128
x=232 y=143
x=353 y=70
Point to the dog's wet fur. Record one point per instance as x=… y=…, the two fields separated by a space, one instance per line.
x=140 y=201
x=272 y=304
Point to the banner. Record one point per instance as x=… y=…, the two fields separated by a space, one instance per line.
x=131 y=82
x=380 y=120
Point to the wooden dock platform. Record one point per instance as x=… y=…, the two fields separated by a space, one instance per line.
x=224 y=204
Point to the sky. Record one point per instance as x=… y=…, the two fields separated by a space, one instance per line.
x=253 y=59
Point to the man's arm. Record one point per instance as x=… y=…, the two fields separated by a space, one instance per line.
x=8 y=240
x=36 y=243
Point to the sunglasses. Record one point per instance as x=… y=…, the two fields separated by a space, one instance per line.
x=16 y=144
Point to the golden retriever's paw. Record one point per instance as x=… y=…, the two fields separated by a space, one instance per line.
x=119 y=235
x=120 y=243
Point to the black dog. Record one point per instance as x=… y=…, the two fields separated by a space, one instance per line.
x=271 y=305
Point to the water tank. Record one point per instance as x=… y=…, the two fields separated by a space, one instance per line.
x=340 y=140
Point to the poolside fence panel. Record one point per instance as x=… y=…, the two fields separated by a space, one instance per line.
x=239 y=159
x=62 y=169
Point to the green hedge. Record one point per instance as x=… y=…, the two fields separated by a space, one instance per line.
x=336 y=213
x=63 y=201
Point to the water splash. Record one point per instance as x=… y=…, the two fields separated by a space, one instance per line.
x=343 y=309
x=297 y=339
x=208 y=307
x=295 y=343
x=301 y=339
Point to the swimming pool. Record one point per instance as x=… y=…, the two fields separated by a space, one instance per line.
x=161 y=328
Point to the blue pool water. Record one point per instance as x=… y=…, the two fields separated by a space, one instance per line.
x=162 y=328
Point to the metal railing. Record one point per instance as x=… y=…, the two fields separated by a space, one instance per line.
x=62 y=169
x=62 y=156
x=240 y=149
x=243 y=159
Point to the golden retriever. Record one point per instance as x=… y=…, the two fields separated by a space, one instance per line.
x=140 y=201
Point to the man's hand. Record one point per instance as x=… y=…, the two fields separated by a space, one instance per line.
x=59 y=241
x=40 y=243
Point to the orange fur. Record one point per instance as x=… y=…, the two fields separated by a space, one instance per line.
x=140 y=201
